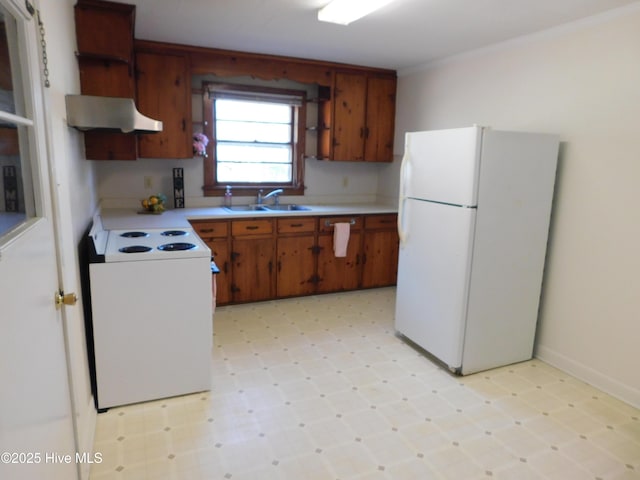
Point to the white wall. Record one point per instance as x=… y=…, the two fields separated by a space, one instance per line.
x=582 y=82
x=75 y=188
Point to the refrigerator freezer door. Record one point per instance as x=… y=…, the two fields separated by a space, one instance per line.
x=433 y=277
x=442 y=166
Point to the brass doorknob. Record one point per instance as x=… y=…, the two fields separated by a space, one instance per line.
x=65 y=299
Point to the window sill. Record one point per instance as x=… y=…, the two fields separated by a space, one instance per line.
x=250 y=190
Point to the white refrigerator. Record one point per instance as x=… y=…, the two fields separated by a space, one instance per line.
x=473 y=220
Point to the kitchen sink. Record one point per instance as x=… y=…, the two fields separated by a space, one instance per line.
x=246 y=208
x=287 y=207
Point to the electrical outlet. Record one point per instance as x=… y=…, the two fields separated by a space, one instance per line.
x=148 y=183
x=345 y=182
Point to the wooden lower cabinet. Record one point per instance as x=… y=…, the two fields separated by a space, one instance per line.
x=252 y=260
x=266 y=258
x=296 y=260
x=380 y=259
x=253 y=269
x=380 y=251
x=337 y=274
x=216 y=235
x=296 y=254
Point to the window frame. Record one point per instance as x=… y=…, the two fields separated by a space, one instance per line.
x=211 y=185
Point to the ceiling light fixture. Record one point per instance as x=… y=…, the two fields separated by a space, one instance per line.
x=344 y=12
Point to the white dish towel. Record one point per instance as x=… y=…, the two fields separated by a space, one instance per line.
x=341 y=239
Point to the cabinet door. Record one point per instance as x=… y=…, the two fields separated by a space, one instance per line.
x=108 y=79
x=349 y=116
x=380 y=261
x=164 y=93
x=295 y=269
x=338 y=273
x=252 y=269
x=380 y=118
x=105 y=29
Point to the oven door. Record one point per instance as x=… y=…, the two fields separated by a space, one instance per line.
x=152 y=329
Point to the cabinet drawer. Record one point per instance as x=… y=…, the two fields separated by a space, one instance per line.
x=206 y=229
x=326 y=223
x=388 y=222
x=296 y=224
x=251 y=227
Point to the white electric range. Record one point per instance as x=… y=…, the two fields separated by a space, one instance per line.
x=151 y=305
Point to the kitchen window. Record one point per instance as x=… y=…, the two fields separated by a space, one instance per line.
x=257 y=138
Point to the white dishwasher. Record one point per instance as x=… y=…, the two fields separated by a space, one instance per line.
x=151 y=307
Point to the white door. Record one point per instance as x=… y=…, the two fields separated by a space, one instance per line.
x=36 y=428
x=433 y=277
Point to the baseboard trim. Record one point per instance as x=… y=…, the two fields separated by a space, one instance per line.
x=587 y=374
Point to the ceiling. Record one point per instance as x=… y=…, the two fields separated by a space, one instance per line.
x=404 y=34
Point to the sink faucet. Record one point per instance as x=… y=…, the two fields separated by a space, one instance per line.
x=273 y=193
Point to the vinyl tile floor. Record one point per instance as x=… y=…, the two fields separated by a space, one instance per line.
x=321 y=388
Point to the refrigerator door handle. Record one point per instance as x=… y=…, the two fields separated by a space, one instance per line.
x=403 y=234
x=405 y=169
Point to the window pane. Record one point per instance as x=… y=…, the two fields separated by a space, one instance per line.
x=253 y=132
x=254 y=172
x=16 y=184
x=12 y=200
x=253 y=153
x=252 y=111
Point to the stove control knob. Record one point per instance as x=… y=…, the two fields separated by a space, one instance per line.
x=65 y=299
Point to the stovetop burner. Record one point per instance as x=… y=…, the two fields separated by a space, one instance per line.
x=134 y=234
x=135 y=249
x=173 y=247
x=167 y=243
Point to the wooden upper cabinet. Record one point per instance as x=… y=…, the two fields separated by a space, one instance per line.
x=380 y=119
x=363 y=117
x=105 y=29
x=349 y=98
x=164 y=93
x=104 y=32
x=106 y=78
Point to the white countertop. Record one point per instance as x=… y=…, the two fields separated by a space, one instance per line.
x=125 y=219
